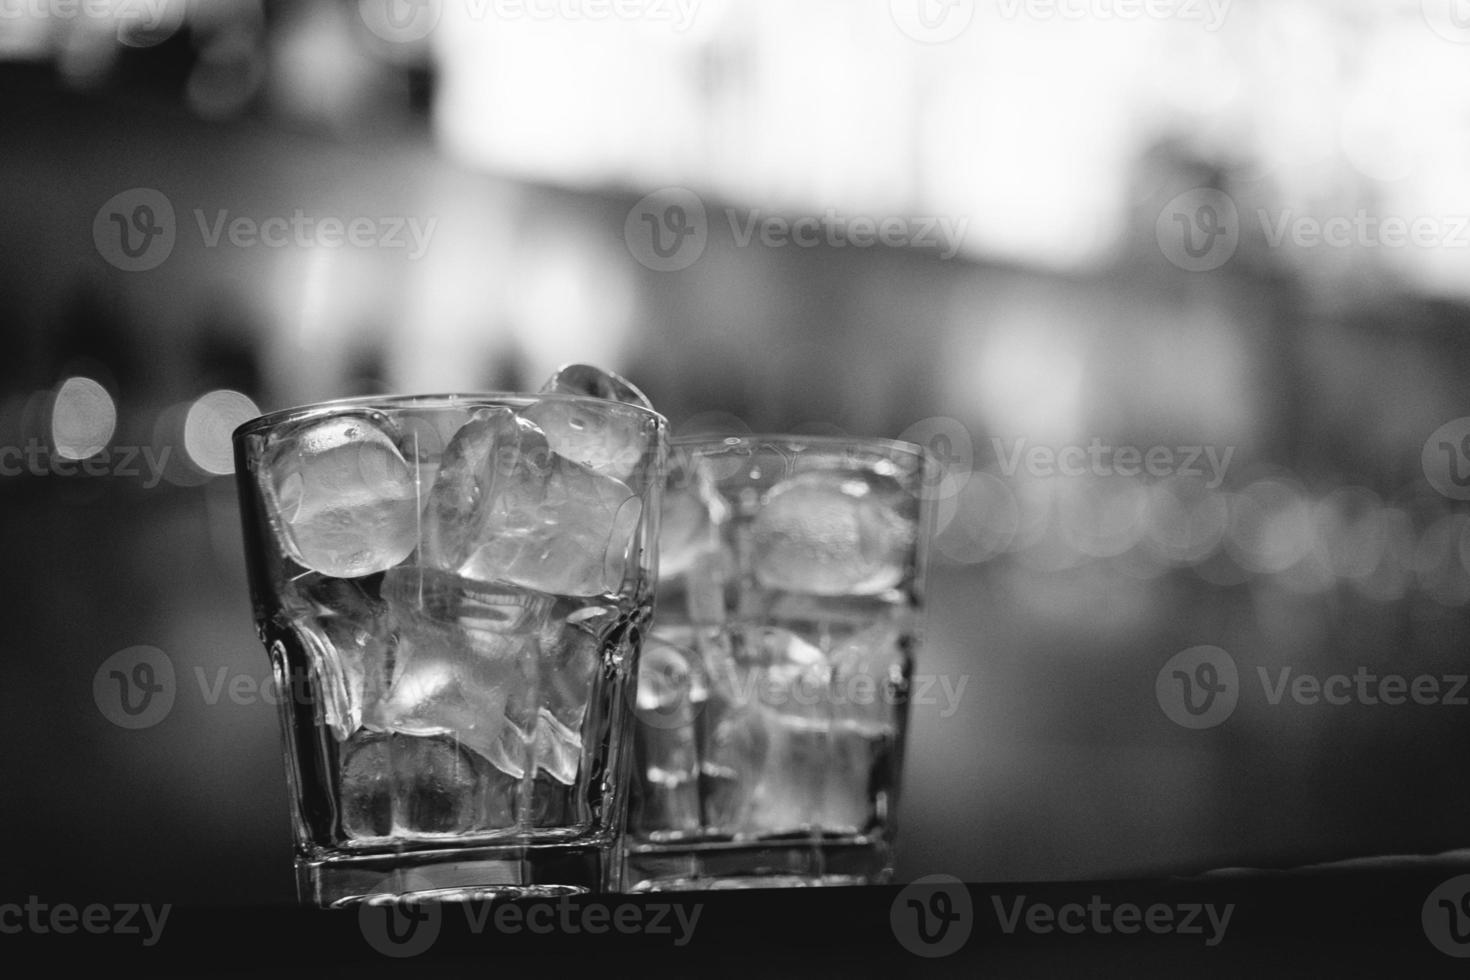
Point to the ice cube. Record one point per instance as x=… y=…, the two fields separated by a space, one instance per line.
x=340 y=624
x=515 y=752
x=497 y=801
x=829 y=621
x=593 y=382
x=422 y=435
x=571 y=658
x=568 y=668
x=832 y=533
x=763 y=776
x=708 y=593
x=557 y=749
x=785 y=673
x=851 y=774
x=783 y=751
x=457 y=670
x=764 y=729
x=693 y=514
x=668 y=758
x=472 y=468
x=565 y=530
x=604 y=439
x=443 y=597
x=554 y=804
x=401 y=786
x=367 y=788
x=507 y=508
x=696 y=564
x=868 y=677
x=665 y=683
x=345 y=501
x=704 y=592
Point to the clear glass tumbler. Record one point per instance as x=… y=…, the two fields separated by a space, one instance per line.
x=773 y=688
x=451 y=590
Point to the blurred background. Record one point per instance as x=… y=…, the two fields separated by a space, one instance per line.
x=1228 y=237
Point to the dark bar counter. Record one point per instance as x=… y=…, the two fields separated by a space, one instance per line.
x=1390 y=916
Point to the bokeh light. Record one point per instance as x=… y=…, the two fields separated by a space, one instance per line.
x=208 y=425
x=979 y=522
x=83 y=418
x=1271 y=527
x=1437 y=561
x=1103 y=517
x=1185 y=521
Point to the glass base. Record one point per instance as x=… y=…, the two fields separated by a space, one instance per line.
x=708 y=866
x=461 y=874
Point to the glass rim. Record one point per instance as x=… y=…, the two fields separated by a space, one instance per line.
x=797 y=441
x=323 y=409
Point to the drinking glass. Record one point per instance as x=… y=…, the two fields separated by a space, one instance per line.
x=452 y=589
x=773 y=687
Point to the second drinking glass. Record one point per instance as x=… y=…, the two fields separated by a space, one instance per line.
x=772 y=693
